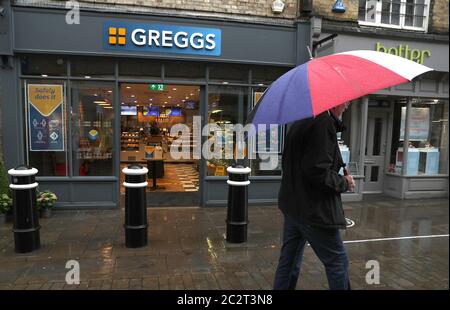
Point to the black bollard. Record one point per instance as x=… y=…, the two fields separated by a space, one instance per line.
x=26 y=221
x=135 y=206
x=237 y=215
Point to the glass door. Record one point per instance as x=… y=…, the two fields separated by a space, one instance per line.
x=375 y=155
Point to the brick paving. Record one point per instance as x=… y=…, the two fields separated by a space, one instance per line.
x=187 y=250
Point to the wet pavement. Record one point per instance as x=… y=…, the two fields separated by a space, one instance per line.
x=187 y=250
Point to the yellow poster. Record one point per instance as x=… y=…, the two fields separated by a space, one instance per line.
x=45 y=98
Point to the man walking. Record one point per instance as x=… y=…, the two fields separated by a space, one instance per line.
x=310 y=199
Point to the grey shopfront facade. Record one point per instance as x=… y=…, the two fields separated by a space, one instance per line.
x=248 y=52
x=410 y=119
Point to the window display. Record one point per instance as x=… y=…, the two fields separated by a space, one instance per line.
x=428 y=134
x=225 y=107
x=92 y=130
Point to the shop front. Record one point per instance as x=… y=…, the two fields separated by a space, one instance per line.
x=85 y=100
x=398 y=137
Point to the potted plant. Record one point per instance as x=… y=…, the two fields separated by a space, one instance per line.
x=45 y=201
x=5 y=207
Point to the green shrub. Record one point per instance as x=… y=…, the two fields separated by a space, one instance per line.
x=4 y=182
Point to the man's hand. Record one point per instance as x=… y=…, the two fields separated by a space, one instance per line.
x=350 y=182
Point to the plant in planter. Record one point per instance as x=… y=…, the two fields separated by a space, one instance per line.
x=5 y=207
x=45 y=201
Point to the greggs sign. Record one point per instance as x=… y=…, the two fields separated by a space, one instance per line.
x=158 y=38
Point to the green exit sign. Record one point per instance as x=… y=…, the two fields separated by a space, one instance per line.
x=157 y=87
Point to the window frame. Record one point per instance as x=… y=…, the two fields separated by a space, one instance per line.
x=402 y=17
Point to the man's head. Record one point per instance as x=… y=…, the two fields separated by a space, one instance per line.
x=339 y=110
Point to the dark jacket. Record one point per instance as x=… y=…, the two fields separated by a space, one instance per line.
x=311 y=186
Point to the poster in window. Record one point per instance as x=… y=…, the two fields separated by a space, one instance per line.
x=419 y=124
x=46 y=117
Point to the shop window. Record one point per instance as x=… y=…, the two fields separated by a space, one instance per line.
x=92 y=129
x=265 y=75
x=46 y=126
x=228 y=73
x=43 y=65
x=225 y=109
x=407 y=14
x=428 y=138
x=89 y=67
x=265 y=147
x=140 y=69
x=184 y=70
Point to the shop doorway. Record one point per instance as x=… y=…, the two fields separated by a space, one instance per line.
x=148 y=112
x=375 y=155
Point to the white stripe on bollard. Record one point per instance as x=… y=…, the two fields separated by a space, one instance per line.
x=234 y=170
x=238 y=183
x=135 y=185
x=23 y=186
x=22 y=173
x=135 y=171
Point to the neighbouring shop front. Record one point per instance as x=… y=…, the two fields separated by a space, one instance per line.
x=81 y=101
x=397 y=140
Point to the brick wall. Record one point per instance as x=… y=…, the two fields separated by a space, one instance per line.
x=260 y=8
x=323 y=8
x=438 y=22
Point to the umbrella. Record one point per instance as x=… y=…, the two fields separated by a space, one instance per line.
x=325 y=82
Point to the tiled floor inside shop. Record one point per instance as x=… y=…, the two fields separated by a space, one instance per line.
x=178 y=177
x=187 y=250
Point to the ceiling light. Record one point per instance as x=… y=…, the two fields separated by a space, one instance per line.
x=191 y=94
x=109 y=91
x=183 y=100
x=224 y=82
x=87 y=76
x=128 y=87
x=132 y=96
x=168 y=97
x=99 y=101
x=216 y=111
x=174 y=89
x=109 y=107
x=44 y=75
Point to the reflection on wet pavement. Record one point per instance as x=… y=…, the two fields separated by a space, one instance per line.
x=187 y=250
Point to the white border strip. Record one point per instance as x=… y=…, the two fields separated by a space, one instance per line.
x=238 y=183
x=404 y=67
x=22 y=173
x=245 y=170
x=135 y=171
x=135 y=185
x=23 y=186
x=396 y=238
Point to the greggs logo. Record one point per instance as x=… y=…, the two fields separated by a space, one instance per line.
x=159 y=38
x=117 y=36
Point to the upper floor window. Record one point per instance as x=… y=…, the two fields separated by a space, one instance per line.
x=403 y=14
